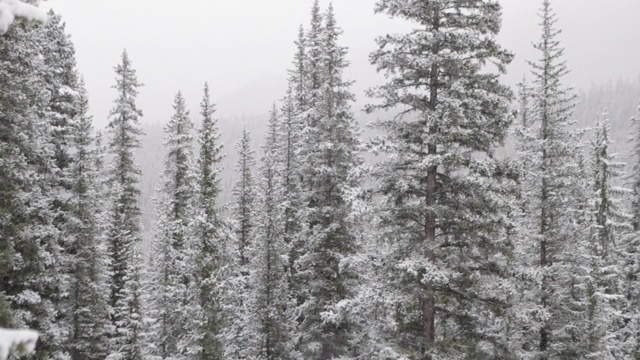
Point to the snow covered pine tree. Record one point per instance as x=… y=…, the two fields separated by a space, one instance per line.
x=330 y=166
x=87 y=297
x=210 y=245
x=443 y=206
x=551 y=225
x=243 y=215
x=631 y=246
x=173 y=276
x=610 y=227
x=267 y=323
x=123 y=232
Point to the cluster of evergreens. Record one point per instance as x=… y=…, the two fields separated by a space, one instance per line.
x=437 y=249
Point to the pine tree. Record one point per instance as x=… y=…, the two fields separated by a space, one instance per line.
x=524 y=94
x=62 y=80
x=267 y=323
x=30 y=262
x=312 y=48
x=123 y=233
x=129 y=324
x=62 y=83
x=634 y=176
x=331 y=163
x=174 y=238
x=443 y=209
x=309 y=94
x=88 y=305
x=236 y=287
x=210 y=246
x=630 y=246
x=551 y=225
x=298 y=77
x=294 y=112
x=244 y=194
x=609 y=224
x=289 y=130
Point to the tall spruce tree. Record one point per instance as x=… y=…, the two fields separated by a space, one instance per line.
x=443 y=202
x=88 y=305
x=123 y=232
x=604 y=339
x=293 y=109
x=634 y=175
x=551 y=225
x=62 y=83
x=30 y=250
x=244 y=194
x=131 y=338
x=210 y=245
x=236 y=288
x=330 y=165
x=267 y=323
x=631 y=245
x=298 y=76
x=173 y=242
x=287 y=153
x=311 y=47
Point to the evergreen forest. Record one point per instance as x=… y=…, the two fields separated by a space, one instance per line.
x=470 y=221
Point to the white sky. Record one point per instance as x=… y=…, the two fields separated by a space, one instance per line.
x=243 y=47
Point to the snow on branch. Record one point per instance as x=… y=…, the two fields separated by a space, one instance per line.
x=12 y=9
x=17 y=342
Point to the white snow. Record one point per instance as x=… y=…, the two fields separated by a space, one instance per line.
x=65 y=90
x=12 y=9
x=14 y=340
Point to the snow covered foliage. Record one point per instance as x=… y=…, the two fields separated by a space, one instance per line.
x=610 y=226
x=444 y=194
x=634 y=175
x=35 y=214
x=631 y=246
x=210 y=244
x=123 y=218
x=88 y=303
x=244 y=193
x=551 y=229
x=172 y=278
x=289 y=159
x=438 y=249
x=330 y=163
x=237 y=334
x=10 y=10
x=268 y=322
x=17 y=342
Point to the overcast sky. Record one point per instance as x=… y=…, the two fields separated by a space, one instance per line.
x=243 y=47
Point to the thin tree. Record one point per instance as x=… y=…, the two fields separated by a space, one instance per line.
x=631 y=245
x=267 y=303
x=552 y=222
x=88 y=301
x=123 y=233
x=244 y=193
x=243 y=214
x=609 y=226
x=173 y=241
x=210 y=239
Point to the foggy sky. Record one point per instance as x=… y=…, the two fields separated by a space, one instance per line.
x=244 y=47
